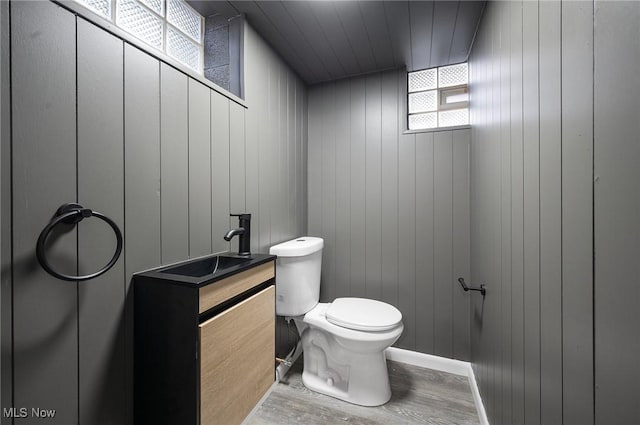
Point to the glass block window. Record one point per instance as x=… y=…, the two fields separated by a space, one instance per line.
x=183 y=49
x=170 y=26
x=184 y=18
x=438 y=97
x=101 y=7
x=140 y=22
x=423 y=80
x=423 y=101
x=156 y=5
x=420 y=121
x=453 y=117
x=453 y=75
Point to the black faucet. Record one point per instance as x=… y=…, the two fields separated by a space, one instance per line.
x=244 y=232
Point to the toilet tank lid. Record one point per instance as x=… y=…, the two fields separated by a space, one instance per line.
x=298 y=247
x=363 y=314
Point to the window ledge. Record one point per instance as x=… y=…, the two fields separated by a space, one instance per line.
x=437 y=129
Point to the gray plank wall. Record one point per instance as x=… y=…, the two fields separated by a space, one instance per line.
x=547 y=322
x=531 y=237
x=616 y=212
x=392 y=208
x=275 y=153
x=5 y=209
x=98 y=121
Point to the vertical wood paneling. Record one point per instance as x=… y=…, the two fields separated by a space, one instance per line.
x=551 y=149
x=376 y=188
x=200 y=169
x=493 y=304
x=517 y=215
x=142 y=242
x=577 y=212
x=493 y=271
x=531 y=213
x=479 y=228
x=550 y=214
x=314 y=167
x=220 y=174
x=358 y=181
x=252 y=171
x=406 y=226
x=174 y=164
x=275 y=154
x=425 y=243
x=616 y=212
x=461 y=234
x=273 y=151
x=6 y=309
x=373 y=188
x=236 y=159
x=475 y=116
x=236 y=166
x=101 y=188
x=124 y=96
x=505 y=213
x=342 y=276
x=407 y=237
x=443 y=241
x=305 y=156
x=290 y=148
x=280 y=158
x=389 y=189
x=45 y=330
x=266 y=123
x=142 y=160
x=301 y=158
x=328 y=284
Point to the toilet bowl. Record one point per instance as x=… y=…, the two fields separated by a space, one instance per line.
x=344 y=341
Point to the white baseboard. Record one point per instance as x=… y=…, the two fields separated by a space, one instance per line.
x=428 y=361
x=482 y=414
x=442 y=364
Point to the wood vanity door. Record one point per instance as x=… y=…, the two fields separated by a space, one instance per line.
x=237 y=358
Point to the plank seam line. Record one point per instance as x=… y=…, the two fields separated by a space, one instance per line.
x=9 y=7
x=77 y=228
x=539 y=232
x=593 y=253
x=160 y=152
x=561 y=230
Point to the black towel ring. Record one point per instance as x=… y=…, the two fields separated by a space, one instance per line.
x=74 y=214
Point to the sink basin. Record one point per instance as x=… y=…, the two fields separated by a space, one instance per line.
x=207 y=266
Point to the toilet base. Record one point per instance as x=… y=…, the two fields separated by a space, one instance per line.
x=330 y=369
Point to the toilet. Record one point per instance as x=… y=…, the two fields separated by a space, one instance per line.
x=343 y=341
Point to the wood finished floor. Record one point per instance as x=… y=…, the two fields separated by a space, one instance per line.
x=420 y=396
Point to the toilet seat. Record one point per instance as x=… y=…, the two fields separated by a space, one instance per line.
x=363 y=314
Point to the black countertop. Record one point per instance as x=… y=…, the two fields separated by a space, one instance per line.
x=164 y=273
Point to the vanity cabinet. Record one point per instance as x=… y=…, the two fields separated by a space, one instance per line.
x=237 y=359
x=204 y=346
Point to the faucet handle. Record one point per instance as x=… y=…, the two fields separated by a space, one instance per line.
x=243 y=216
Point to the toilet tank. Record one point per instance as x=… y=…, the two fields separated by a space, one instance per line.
x=297 y=275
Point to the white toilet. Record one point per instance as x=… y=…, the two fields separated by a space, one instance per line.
x=343 y=341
